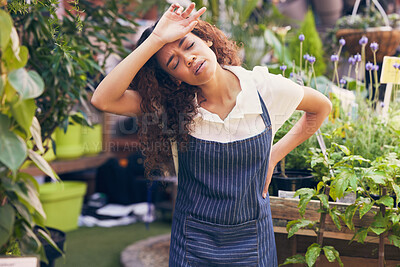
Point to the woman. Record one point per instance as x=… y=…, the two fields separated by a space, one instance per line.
x=189 y=87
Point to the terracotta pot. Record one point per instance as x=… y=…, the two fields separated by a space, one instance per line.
x=387 y=38
x=295 y=9
x=328 y=11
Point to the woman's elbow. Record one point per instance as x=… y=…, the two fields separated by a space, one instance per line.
x=97 y=102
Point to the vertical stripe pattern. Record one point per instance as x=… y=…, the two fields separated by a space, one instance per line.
x=220 y=216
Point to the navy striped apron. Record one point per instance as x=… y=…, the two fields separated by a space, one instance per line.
x=220 y=217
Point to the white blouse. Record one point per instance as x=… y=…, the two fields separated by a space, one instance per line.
x=280 y=95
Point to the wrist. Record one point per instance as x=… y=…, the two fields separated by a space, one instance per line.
x=156 y=39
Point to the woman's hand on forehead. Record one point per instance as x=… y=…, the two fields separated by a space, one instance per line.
x=176 y=22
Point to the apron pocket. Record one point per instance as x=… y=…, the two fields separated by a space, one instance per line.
x=209 y=244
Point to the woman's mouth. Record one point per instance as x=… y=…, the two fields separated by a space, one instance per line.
x=199 y=67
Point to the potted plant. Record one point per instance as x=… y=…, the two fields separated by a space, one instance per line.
x=373 y=23
x=293 y=171
x=20 y=207
x=34 y=103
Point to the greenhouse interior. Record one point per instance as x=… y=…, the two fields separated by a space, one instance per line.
x=285 y=152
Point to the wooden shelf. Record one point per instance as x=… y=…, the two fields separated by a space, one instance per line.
x=79 y=164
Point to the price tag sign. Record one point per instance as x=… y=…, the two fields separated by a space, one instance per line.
x=389 y=73
x=18 y=262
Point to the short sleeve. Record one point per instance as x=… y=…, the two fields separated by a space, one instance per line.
x=281 y=95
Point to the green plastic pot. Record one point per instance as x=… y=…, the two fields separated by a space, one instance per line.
x=92 y=139
x=62 y=203
x=69 y=144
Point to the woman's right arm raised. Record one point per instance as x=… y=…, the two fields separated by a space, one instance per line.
x=112 y=95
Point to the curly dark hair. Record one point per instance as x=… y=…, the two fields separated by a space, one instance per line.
x=168 y=107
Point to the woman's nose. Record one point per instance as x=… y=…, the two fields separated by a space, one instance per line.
x=190 y=60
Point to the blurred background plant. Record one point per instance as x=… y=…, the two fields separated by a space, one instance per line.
x=40 y=92
x=65 y=52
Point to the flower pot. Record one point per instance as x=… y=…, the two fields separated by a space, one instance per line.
x=295 y=180
x=387 y=38
x=295 y=9
x=62 y=203
x=52 y=254
x=69 y=144
x=328 y=11
x=92 y=139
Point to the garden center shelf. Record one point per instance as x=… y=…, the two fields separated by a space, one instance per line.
x=284 y=210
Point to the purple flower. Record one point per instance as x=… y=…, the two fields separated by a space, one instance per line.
x=352 y=60
x=342 y=41
x=301 y=37
x=342 y=81
x=283 y=67
x=376 y=67
x=357 y=58
x=374 y=46
x=291 y=75
x=311 y=59
x=369 y=66
x=363 y=40
x=382 y=105
x=396 y=66
x=306 y=56
x=334 y=58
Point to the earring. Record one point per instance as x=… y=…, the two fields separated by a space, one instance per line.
x=209 y=43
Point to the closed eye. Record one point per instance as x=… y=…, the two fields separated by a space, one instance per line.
x=177 y=62
x=190 y=46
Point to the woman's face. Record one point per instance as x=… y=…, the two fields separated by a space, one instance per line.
x=189 y=59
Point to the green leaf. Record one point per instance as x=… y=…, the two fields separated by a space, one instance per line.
x=36 y=134
x=348 y=216
x=47 y=237
x=344 y=149
x=12 y=147
x=340 y=186
x=395 y=218
x=380 y=221
x=23 y=212
x=395 y=240
x=295 y=259
x=377 y=231
x=42 y=164
x=386 y=200
x=14 y=61
x=360 y=235
x=324 y=200
x=396 y=189
x=377 y=177
x=312 y=254
x=29 y=243
x=31 y=187
x=293 y=226
x=6 y=26
x=7 y=218
x=23 y=112
x=332 y=254
x=305 y=196
x=320 y=185
x=27 y=83
x=365 y=207
x=334 y=213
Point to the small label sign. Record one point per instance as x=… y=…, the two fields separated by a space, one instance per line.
x=18 y=262
x=389 y=73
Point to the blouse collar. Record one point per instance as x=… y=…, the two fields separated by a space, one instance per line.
x=247 y=101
